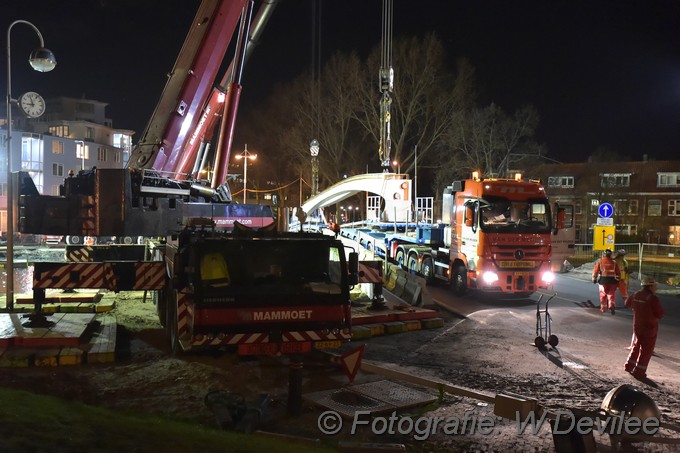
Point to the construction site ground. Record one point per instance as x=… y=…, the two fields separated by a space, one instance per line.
x=488 y=353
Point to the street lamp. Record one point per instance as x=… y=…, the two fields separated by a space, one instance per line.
x=82 y=153
x=314 y=151
x=246 y=156
x=42 y=60
x=398 y=165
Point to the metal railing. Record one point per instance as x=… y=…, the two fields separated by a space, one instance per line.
x=656 y=260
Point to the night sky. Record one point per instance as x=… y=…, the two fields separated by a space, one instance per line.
x=600 y=72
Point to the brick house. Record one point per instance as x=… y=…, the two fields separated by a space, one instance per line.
x=645 y=195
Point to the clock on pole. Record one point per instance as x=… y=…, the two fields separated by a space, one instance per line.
x=32 y=104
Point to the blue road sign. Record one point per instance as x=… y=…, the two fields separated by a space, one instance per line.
x=605 y=210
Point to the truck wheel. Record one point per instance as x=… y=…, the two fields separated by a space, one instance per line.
x=412 y=265
x=427 y=269
x=459 y=281
x=160 y=298
x=172 y=321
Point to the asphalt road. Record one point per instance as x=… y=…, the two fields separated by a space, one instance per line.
x=576 y=319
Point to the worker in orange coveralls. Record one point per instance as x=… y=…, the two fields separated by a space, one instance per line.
x=647 y=311
x=607 y=274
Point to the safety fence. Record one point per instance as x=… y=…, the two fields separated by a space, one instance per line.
x=656 y=260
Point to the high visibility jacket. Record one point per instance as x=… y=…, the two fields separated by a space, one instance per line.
x=623 y=267
x=647 y=311
x=608 y=269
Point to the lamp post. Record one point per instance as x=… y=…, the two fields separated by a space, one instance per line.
x=397 y=165
x=41 y=60
x=314 y=151
x=246 y=156
x=82 y=153
x=415 y=180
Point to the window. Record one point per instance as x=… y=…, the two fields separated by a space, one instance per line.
x=116 y=157
x=58 y=169
x=101 y=154
x=594 y=205
x=89 y=133
x=668 y=179
x=82 y=151
x=627 y=229
x=578 y=207
x=561 y=181
x=31 y=152
x=57 y=147
x=55 y=189
x=626 y=207
x=615 y=180
x=59 y=131
x=673 y=207
x=122 y=141
x=654 y=208
x=3 y=189
x=578 y=228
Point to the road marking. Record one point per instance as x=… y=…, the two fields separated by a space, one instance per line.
x=575 y=365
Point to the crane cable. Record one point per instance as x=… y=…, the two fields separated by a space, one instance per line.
x=386 y=85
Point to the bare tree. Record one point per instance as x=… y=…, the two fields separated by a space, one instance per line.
x=433 y=109
x=488 y=140
x=322 y=109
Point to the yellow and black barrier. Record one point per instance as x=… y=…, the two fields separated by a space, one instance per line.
x=409 y=287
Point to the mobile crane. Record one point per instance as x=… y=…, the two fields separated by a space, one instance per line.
x=224 y=277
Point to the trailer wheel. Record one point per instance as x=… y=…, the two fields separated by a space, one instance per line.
x=412 y=265
x=399 y=258
x=459 y=281
x=427 y=270
x=553 y=340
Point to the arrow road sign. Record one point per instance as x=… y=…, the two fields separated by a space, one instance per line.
x=605 y=210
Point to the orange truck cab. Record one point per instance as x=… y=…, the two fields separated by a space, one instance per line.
x=499 y=235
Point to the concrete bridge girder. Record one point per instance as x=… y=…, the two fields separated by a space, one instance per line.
x=393 y=188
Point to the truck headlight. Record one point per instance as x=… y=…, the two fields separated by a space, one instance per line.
x=489 y=277
x=548 y=277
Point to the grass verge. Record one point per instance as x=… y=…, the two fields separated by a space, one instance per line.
x=36 y=423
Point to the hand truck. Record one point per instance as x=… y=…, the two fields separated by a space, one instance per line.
x=543 y=325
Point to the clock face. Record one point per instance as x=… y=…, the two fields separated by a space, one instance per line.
x=32 y=104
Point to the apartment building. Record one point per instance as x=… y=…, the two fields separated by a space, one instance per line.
x=72 y=134
x=645 y=196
